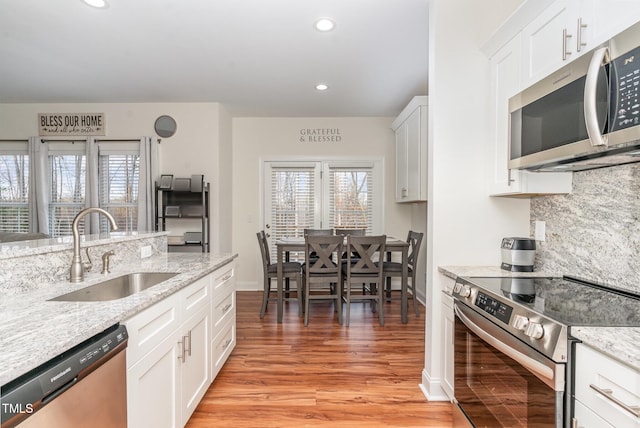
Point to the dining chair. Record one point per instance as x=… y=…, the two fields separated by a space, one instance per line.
x=290 y=270
x=322 y=276
x=394 y=269
x=315 y=232
x=365 y=269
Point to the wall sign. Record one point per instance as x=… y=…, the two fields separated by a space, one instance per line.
x=71 y=124
x=320 y=135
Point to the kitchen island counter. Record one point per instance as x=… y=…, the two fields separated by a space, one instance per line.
x=34 y=330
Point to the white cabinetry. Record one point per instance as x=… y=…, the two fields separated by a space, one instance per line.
x=448 y=323
x=607 y=392
x=569 y=28
x=224 y=318
x=170 y=357
x=506 y=82
x=410 y=128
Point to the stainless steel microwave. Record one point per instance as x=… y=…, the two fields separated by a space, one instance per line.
x=585 y=115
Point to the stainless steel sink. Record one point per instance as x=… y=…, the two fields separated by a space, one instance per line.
x=116 y=288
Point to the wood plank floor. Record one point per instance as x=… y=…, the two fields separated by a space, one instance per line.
x=323 y=375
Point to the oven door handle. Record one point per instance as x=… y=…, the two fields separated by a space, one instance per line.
x=541 y=370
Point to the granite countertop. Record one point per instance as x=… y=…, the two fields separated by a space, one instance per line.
x=621 y=343
x=34 y=330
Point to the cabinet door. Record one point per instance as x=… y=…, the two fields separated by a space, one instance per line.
x=195 y=366
x=545 y=49
x=415 y=155
x=223 y=344
x=506 y=82
x=606 y=18
x=585 y=418
x=153 y=387
x=402 y=177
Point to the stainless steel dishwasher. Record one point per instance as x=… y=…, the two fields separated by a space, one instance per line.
x=83 y=387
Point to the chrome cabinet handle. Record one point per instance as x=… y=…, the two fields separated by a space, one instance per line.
x=608 y=394
x=183 y=351
x=188 y=336
x=579 y=43
x=226 y=308
x=226 y=344
x=565 y=37
x=590 y=112
x=226 y=278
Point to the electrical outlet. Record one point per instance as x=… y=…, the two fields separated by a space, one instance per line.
x=145 y=251
x=540 y=230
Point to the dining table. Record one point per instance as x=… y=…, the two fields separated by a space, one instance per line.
x=285 y=246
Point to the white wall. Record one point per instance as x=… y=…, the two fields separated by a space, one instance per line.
x=256 y=139
x=201 y=143
x=465 y=225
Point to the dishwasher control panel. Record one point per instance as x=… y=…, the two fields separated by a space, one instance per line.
x=35 y=389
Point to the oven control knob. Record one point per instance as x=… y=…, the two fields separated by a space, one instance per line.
x=465 y=291
x=534 y=330
x=520 y=322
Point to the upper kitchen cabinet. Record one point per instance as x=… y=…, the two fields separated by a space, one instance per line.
x=410 y=128
x=566 y=29
x=505 y=82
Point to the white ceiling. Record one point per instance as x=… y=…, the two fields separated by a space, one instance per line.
x=257 y=57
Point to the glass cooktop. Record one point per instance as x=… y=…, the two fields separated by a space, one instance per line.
x=567 y=301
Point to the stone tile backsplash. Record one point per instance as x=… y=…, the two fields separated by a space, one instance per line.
x=593 y=232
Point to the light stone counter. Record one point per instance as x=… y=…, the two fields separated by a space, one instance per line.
x=34 y=330
x=622 y=343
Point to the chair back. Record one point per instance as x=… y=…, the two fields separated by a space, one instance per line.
x=264 y=249
x=352 y=232
x=370 y=251
x=322 y=247
x=314 y=232
x=414 y=239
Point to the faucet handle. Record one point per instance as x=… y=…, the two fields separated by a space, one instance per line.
x=105 y=261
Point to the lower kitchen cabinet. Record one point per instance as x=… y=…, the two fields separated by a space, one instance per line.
x=195 y=361
x=607 y=392
x=175 y=346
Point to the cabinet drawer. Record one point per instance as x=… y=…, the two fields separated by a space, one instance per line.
x=150 y=327
x=223 y=279
x=585 y=418
x=223 y=309
x=222 y=345
x=596 y=370
x=195 y=296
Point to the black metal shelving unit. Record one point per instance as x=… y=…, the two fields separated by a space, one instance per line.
x=177 y=205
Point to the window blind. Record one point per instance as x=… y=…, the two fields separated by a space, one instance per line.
x=14 y=192
x=292 y=202
x=351 y=196
x=118 y=189
x=67 y=192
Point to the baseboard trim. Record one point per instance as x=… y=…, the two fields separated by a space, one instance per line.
x=432 y=389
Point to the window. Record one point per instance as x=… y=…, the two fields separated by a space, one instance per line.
x=67 y=173
x=14 y=187
x=119 y=189
x=337 y=194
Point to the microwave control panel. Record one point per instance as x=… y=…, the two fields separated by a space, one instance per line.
x=625 y=102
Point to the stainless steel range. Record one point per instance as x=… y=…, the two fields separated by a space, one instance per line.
x=514 y=350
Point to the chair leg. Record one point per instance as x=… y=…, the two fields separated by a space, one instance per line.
x=300 y=293
x=348 y=304
x=306 y=303
x=380 y=302
x=415 y=300
x=265 y=296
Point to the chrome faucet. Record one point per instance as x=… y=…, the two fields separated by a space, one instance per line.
x=77 y=268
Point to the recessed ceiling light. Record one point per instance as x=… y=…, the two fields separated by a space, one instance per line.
x=99 y=4
x=321 y=87
x=324 y=24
